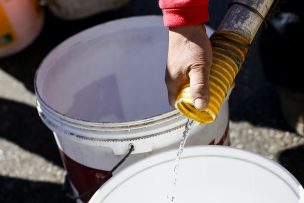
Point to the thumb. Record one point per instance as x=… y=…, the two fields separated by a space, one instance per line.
x=199 y=88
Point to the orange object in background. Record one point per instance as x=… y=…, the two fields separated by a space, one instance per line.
x=20 y=23
x=7 y=34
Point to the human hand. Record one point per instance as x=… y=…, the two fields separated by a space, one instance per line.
x=189 y=60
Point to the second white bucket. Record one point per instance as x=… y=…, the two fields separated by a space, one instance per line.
x=103 y=89
x=211 y=174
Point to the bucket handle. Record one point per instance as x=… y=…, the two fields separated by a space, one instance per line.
x=95 y=187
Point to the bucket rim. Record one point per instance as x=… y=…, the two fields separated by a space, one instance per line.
x=200 y=151
x=174 y=114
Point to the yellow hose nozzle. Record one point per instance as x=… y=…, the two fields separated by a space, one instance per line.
x=229 y=50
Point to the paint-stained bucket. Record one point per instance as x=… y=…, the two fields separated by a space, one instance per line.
x=20 y=23
x=103 y=90
x=211 y=174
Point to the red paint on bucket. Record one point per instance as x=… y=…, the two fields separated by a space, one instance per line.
x=84 y=178
x=224 y=140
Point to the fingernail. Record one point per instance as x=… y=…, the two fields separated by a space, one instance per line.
x=200 y=104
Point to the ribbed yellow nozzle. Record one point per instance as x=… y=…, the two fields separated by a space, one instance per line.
x=229 y=50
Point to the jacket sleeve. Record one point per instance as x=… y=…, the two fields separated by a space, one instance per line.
x=184 y=12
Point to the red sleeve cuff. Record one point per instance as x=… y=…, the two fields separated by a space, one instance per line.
x=185 y=16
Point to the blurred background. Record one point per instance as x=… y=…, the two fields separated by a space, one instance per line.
x=30 y=166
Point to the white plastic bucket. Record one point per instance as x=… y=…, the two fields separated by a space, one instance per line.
x=103 y=89
x=208 y=174
x=78 y=9
x=20 y=23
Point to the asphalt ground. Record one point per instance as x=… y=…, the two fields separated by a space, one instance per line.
x=30 y=168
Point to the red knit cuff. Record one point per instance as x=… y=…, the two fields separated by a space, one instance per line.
x=185 y=16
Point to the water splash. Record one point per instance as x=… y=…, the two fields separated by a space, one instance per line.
x=189 y=125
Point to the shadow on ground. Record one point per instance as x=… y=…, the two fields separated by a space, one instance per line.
x=26 y=191
x=254 y=99
x=22 y=126
x=293 y=160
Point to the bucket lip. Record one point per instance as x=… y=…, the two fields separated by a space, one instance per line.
x=198 y=151
x=174 y=114
x=129 y=23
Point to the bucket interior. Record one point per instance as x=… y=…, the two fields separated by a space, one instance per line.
x=113 y=72
x=206 y=175
x=108 y=76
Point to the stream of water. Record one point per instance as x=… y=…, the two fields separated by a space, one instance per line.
x=189 y=125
